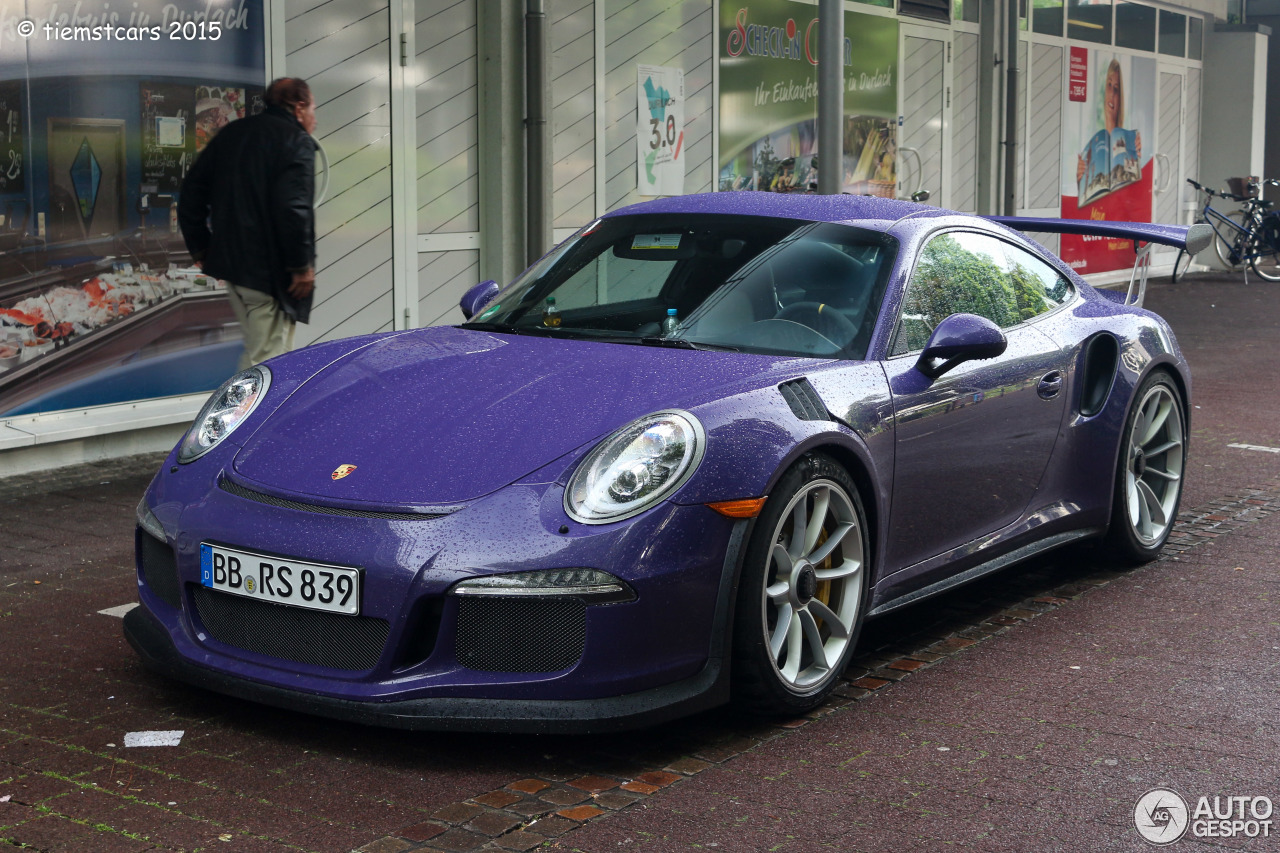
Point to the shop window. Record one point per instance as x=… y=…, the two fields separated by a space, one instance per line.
x=884 y=4
x=1089 y=20
x=1195 y=43
x=966 y=10
x=1046 y=17
x=932 y=10
x=1135 y=26
x=1173 y=34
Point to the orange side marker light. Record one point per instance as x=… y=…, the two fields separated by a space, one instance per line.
x=746 y=508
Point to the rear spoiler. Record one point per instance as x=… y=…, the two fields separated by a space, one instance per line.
x=1191 y=239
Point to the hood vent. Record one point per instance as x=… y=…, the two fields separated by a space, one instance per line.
x=804 y=400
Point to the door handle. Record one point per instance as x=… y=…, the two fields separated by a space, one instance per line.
x=1050 y=385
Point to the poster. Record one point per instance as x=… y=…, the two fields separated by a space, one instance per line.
x=660 y=130
x=11 y=139
x=1106 y=170
x=769 y=99
x=99 y=303
x=216 y=107
x=166 y=135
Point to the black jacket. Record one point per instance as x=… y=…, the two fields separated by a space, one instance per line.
x=246 y=206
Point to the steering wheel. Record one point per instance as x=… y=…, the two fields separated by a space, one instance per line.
x=823 y=319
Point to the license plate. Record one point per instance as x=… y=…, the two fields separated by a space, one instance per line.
x=315 y=586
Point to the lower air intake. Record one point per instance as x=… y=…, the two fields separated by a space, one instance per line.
x=519 y=634
x=292 y=633
x=159 y=568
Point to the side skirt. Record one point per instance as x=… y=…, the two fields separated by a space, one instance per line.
x=993 y=565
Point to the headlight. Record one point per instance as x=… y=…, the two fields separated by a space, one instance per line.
x=635 y=468
x=590 y=585
x=226 y=410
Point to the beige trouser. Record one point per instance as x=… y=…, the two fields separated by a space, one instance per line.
x=268 y=330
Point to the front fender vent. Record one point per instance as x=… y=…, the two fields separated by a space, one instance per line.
x=804 y=400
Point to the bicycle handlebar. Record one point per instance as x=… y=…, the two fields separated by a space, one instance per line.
x=1232 y=196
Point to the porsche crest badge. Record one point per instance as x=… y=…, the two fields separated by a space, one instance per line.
x=342 y=471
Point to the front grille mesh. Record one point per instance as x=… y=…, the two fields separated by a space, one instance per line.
x=271 y=500
x=520 y=634
x=159 y=568
x=293 y=633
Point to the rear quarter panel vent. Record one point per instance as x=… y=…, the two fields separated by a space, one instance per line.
x=1098 y=363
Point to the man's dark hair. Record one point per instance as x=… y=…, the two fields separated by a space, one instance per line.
x=287 y=93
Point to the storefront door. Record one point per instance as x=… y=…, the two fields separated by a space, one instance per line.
x=1171 y=173
x=923 y=156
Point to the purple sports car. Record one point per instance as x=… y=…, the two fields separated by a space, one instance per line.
x=678 y=462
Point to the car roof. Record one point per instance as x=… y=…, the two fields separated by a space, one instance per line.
x=866 y=211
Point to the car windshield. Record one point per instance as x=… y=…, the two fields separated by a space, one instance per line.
x=745 y=283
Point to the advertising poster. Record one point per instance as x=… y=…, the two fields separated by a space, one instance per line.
x=660 y=130
x=103 y=108
x=768 y=54
x=1106 y=171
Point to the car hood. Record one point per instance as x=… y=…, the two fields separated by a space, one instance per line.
x=446 y=415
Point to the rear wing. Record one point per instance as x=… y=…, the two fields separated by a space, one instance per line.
x=1191 y=239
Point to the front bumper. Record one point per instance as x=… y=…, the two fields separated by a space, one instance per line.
x=707 y=689
x=644 y=661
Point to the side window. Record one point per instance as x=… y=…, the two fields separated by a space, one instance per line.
x=963 y=272
x=1038 y=287
x=953 y=276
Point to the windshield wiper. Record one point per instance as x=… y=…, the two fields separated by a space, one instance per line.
x=683 y=343
x=544 y=331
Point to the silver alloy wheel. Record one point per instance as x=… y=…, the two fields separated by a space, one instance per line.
x=813 y=585
x=1153 y=474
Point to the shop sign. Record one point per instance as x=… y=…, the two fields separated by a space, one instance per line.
x=768 y=56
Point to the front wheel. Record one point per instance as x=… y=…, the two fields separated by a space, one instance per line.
x=802 y=596
x=1264 y=250
x=1148 y=485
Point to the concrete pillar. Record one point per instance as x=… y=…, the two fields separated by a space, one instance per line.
x=1234 y=115
x=502 y=140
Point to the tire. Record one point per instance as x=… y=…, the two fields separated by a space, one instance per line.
x=1224 y=246
x=1265 y=249
x=1181 y=264
x=801 y=600
x=1152 y=459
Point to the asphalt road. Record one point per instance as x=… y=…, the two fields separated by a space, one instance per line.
x=1030 y=711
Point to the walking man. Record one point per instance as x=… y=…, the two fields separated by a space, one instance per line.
x=247 y=215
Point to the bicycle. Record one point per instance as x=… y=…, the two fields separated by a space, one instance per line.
x=1250 y=235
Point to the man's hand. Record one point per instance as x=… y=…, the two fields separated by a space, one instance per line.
x=304 y=283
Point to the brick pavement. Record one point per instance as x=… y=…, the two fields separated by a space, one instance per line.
x=964 y=721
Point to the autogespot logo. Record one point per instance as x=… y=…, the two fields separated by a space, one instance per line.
x=1161 y=816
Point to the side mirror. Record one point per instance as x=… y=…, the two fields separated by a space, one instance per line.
x=475 y=298
x=960 y=338
x=920 y=196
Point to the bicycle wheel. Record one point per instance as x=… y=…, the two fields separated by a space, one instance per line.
x=1264 y=249
x=1230 y=245
x=1180 y=265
